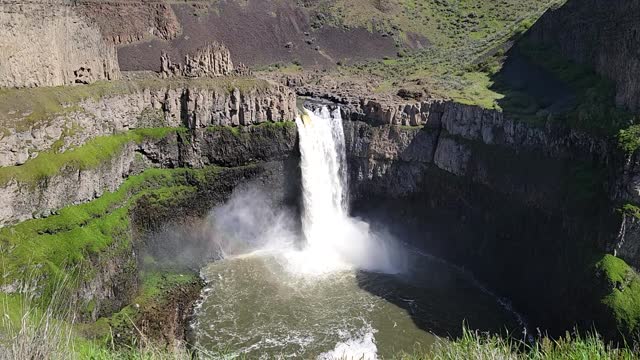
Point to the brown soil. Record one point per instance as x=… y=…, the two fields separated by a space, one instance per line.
x=258 y=33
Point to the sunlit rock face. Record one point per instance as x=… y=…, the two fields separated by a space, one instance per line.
x=47 y=44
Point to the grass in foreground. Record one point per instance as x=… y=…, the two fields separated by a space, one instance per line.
x=475 y=345
x=30 y=340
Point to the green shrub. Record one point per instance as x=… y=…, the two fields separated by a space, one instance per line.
x=629 y=139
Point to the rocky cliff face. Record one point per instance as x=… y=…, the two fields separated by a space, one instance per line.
x=129 y=21
x=210 y=61
x=627 y=191
x=453 y=138
x=199 y=112
x=515 y=203
x=604 y=35
x=47 y=44
x=195 y=148
x=169 y=105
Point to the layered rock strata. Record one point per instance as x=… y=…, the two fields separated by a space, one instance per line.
x=45 y=43
x=130 y=21
x=181 y=105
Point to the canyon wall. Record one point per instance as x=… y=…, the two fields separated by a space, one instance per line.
x=604 y=35
x=198 y=114
x=527 y=208
x=493 y=211
x=164 y=104
x=194 y=150
x=45 y=43
x=129 y=21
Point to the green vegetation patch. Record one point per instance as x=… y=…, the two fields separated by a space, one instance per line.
x=445 y=24
x=158 y=287
x=631 y=210
x=62 y=246
x=88 y=156
x=624 y=296
x=446 y=74
x=468 y=38
x=629 y=139
x=478 y=345
x=289 y=68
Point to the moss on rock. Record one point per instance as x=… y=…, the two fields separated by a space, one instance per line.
x=66 y=245
x=623 y=296
x=88 y=156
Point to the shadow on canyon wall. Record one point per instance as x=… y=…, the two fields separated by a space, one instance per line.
x=512 y=218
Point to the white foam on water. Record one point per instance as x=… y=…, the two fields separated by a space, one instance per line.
x=359 y=348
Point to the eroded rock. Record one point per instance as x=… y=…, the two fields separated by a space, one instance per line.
x=48 y=44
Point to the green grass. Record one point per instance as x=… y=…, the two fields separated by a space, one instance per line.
x=476 y=90
x=445 y=24
x=444 y=73
x=63 y=245
x=629 y=139
x=465 y=35
x=88 y=156
x=476 y=345
x=631 y=209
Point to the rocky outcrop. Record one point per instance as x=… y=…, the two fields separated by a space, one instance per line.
x=168 y=105
x=604 y=35
x=474 y=123
x=129 y=21
x=45 y=43
x=627 y=246
x=113 y=281
x=210 y=61
x=70 y=186
x=459 y=139
x=626 y=190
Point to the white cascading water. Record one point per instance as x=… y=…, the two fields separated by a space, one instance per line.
x=334 y=241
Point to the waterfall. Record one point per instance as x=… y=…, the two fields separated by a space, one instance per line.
x=324 y=174
x=333 y=239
